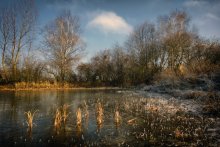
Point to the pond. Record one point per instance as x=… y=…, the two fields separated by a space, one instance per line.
x=97 y=118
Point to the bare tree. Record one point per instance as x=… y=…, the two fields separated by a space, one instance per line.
x=102 y=63
x=143 y=49
x=119 y=63
x=4 y=39
x=176 y=37
x=63 y=45
x=17 y=25
x=86 y=74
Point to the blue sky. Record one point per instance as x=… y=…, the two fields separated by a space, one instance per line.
x=106 y=22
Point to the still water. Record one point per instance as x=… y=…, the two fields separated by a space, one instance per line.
x=99 y=118
x=14 y=128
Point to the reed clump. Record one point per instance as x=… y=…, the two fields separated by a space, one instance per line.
x=178 y=133
x=30 y=118
x=61 y=116
x=79 y=117
x=65 y=113
x=86 y=110
x=78 y=122
x=58 y=119
x=99 y=114
x=117 y=118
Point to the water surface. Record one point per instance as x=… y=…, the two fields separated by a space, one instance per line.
x=14 y=129
x=142 y=121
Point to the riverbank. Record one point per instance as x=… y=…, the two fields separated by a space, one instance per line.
x=195 y=100
x=46 y=86
x=200 y=96
x=154 y=119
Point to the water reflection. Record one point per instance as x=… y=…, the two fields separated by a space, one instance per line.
x=93 y=118
x=13 y=105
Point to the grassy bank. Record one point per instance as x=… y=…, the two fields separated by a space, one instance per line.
x=48 y=86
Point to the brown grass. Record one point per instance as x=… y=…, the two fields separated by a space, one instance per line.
x=99 y=114
x=58 y=119
x=78 y=122
x=24 y=85
x=132 y=121
x=30 y=117
x=86 y=110
x=65 y=114
x=178 y=133
x=78 y=117
x=20 y=86
x=117 y=118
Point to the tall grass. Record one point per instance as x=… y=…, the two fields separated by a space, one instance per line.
x=78 y=122
x=79 y=117
x=58 y=120
x=99 y=114
x=158 y=121
x=86 y=114
x=86 y=110
x=65 y=113
x=117 y=118
x=30 y=118
x=61 y=116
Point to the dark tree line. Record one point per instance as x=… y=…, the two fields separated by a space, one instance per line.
x=169 y=46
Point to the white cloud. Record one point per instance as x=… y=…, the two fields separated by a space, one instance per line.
x=110 y=22
x=194 y=3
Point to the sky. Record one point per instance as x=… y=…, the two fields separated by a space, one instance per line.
x=107 y=22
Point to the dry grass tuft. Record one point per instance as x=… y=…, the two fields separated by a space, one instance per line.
x=132 y=121
x=178 y=133
x=117 y=117
x=30 y=117
x=65 y=114
x=58 y=119
x=86 y=110
x=61 y=116
x=99 y=114
x=78 y=117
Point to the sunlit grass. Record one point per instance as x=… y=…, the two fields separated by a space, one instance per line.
x=131 y=121
x=41 y=85
x=79 y=117
x=61 y=117
x=65 y=113
x=117 y=117
x=99 y=115
x=58 y=120
x=158 y=121
x=86 y=110
x=29 y=119
x=178 y=133
x=78 y=122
